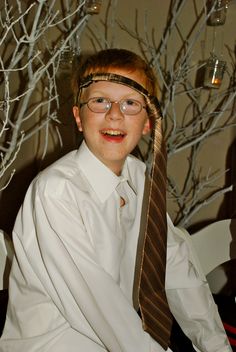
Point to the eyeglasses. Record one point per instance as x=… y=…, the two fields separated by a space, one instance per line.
x=102 y=105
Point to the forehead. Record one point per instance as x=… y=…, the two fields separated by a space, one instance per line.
x=111 y=89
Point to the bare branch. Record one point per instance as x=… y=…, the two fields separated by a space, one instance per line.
x=33 y=39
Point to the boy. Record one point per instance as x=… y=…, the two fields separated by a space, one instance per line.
x=76 y=235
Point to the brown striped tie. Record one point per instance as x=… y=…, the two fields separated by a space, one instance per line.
x=156 y=316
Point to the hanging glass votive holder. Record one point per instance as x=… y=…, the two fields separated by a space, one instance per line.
x=67 y=58
x=214 y=72
x=92 y=7
x=218 y=15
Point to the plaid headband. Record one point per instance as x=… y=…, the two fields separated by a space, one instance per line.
x=153 y=105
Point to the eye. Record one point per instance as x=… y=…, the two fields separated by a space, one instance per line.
x=98 y=100
x=131 y=102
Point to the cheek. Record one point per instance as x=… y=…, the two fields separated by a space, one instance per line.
x=83 y=119
x=88 y=124
x=138 y=132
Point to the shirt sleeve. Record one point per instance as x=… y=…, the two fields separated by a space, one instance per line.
x=189 y=296
x=52 y=236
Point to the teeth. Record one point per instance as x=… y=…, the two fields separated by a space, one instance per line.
x=113 y=133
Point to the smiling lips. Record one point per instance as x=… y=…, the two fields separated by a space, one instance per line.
x=113 y=135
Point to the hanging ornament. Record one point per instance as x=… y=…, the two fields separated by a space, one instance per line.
x=214 y=72
x=67 y=58
x=218 y=15
x=92 y=7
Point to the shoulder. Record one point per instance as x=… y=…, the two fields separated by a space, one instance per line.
x=59 y=177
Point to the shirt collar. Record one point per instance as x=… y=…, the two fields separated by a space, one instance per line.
x=100 y=177
x=126 y=176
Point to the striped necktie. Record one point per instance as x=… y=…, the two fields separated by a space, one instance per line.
x=155 y=313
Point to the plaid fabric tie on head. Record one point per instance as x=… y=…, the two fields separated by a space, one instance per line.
x=156 y=316
x=155 y=313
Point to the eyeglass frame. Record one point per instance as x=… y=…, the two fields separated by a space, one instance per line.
x=110 y=102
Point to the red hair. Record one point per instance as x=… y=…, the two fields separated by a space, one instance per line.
x=106 y=60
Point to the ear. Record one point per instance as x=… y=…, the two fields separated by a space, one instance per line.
x=147 y=127
x=77 y=118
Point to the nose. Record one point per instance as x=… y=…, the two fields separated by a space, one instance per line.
x=114 y=113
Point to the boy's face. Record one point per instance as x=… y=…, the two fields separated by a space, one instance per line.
x=112 y=135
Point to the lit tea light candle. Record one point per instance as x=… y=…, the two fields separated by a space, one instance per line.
x=216 y=82
x=92 y=7
x=214 y=72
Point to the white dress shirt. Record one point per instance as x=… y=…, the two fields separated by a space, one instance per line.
x=71 y=282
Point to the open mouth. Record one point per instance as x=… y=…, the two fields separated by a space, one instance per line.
x=113 y=133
